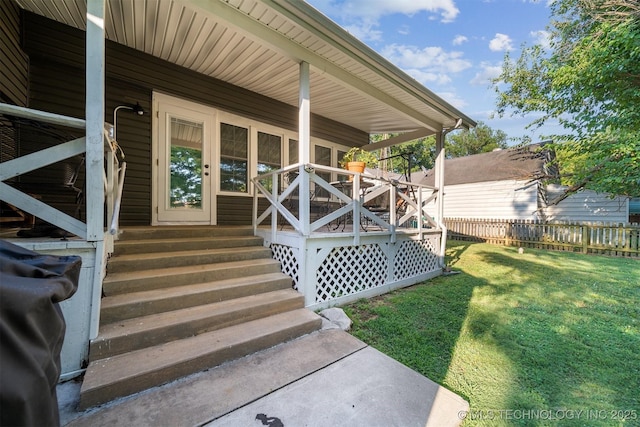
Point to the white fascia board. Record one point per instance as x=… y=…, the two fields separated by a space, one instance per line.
x=400 y=139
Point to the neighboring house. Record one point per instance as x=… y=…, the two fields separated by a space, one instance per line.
x=229 y=90
x=512 y=184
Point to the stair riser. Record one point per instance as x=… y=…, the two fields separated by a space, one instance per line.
x=149 y=246
x=200 y=276
x=177 y=260
x=169 y=373
x=137 y=233
x=179 y=330
x=145 y=308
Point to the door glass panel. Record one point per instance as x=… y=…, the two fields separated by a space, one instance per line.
x=185 y=167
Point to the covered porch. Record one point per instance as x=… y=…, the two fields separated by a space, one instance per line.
x=278 y=64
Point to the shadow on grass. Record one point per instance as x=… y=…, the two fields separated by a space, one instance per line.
x=420 y=325
x=568 y=333
x=539 y=331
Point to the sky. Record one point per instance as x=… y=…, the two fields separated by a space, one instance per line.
x=453 y=47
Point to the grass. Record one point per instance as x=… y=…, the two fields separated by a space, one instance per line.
x=518 y=335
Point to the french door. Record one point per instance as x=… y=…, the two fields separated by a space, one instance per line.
x=183 y=166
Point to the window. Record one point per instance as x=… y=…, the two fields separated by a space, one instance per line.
x=269 y=155
x=340 y=156
x=269 y=152
x=323 y=157
x=234 y=149
x=293 y=151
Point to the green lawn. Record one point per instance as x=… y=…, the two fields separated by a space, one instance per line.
x=523 y=337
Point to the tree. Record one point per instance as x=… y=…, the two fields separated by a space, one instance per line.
x=589 y=81
x=480 y=139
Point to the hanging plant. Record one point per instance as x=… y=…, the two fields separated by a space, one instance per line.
x=357 y=154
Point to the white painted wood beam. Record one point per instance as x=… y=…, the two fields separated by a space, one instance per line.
x=304 y=145
x=42 y=158
x=37 y=208
x=94 y=111
x=41 y=116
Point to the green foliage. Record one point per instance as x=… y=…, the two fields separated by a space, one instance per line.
x=186 y=177
x=589 y=82
x=481 y=139
x=357 y=154
x=535 y=331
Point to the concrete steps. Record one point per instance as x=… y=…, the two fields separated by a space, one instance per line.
x=211 y=298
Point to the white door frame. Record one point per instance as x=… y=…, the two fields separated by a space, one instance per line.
x=160 y=215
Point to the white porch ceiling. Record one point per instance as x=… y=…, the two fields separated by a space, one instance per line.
x=258 y=44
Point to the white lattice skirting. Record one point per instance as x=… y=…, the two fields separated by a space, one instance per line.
x=342 y=272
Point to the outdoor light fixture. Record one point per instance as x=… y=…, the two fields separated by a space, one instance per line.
x=136 y=109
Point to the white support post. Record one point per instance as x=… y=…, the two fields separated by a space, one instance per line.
x=439 y=183
x=94 y=111
x=304 y=147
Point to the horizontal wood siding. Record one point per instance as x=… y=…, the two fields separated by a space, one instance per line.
x=497 y=199
x=234 y=210
x=586 y=205
x=132 y=76
x=14 y=69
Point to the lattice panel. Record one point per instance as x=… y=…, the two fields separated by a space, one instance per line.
x=415 y=257
x=288 y=261
x=351 y=269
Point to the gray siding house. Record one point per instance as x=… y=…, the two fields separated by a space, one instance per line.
x=513 y=184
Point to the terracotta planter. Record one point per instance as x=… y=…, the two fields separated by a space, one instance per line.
x=356 y=166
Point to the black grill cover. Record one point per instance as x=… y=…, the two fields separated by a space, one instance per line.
x=31 y=332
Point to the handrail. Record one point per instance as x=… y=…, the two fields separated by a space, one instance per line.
x=42 y=116
x=353 y=204
x=113 y=175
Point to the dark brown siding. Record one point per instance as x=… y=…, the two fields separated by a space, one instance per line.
x=13 y=72
x=132 y=76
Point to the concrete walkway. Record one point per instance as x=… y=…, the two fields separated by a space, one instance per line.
x=325 y=378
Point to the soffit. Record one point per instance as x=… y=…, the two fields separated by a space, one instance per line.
x=258 y=45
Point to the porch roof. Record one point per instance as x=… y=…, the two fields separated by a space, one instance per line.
x=258 y=45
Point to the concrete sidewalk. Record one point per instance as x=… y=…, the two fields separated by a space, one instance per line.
x=324 y=378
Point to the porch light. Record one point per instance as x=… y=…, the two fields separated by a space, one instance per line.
x=137 y=109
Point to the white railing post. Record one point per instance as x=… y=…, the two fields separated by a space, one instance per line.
x=94 y=112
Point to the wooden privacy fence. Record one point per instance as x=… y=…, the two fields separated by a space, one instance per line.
x=586 y=237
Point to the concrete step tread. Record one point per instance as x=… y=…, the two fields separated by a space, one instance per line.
x=151 y=296
x=187 y=253
x=161 y=240
x=185 y=316
x=163 y=272
x=144 y=368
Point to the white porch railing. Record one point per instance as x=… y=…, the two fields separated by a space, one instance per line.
x=342 y=247
x=113 y=175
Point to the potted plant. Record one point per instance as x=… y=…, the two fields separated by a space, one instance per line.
x=356 y=159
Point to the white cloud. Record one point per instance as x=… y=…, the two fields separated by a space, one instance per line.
x=542 y=38
x=501 y=42
x=429 y=59
x=453 y=99
x=459 y=39
x=361 y=17
x=426 y=77
x=488 y=71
